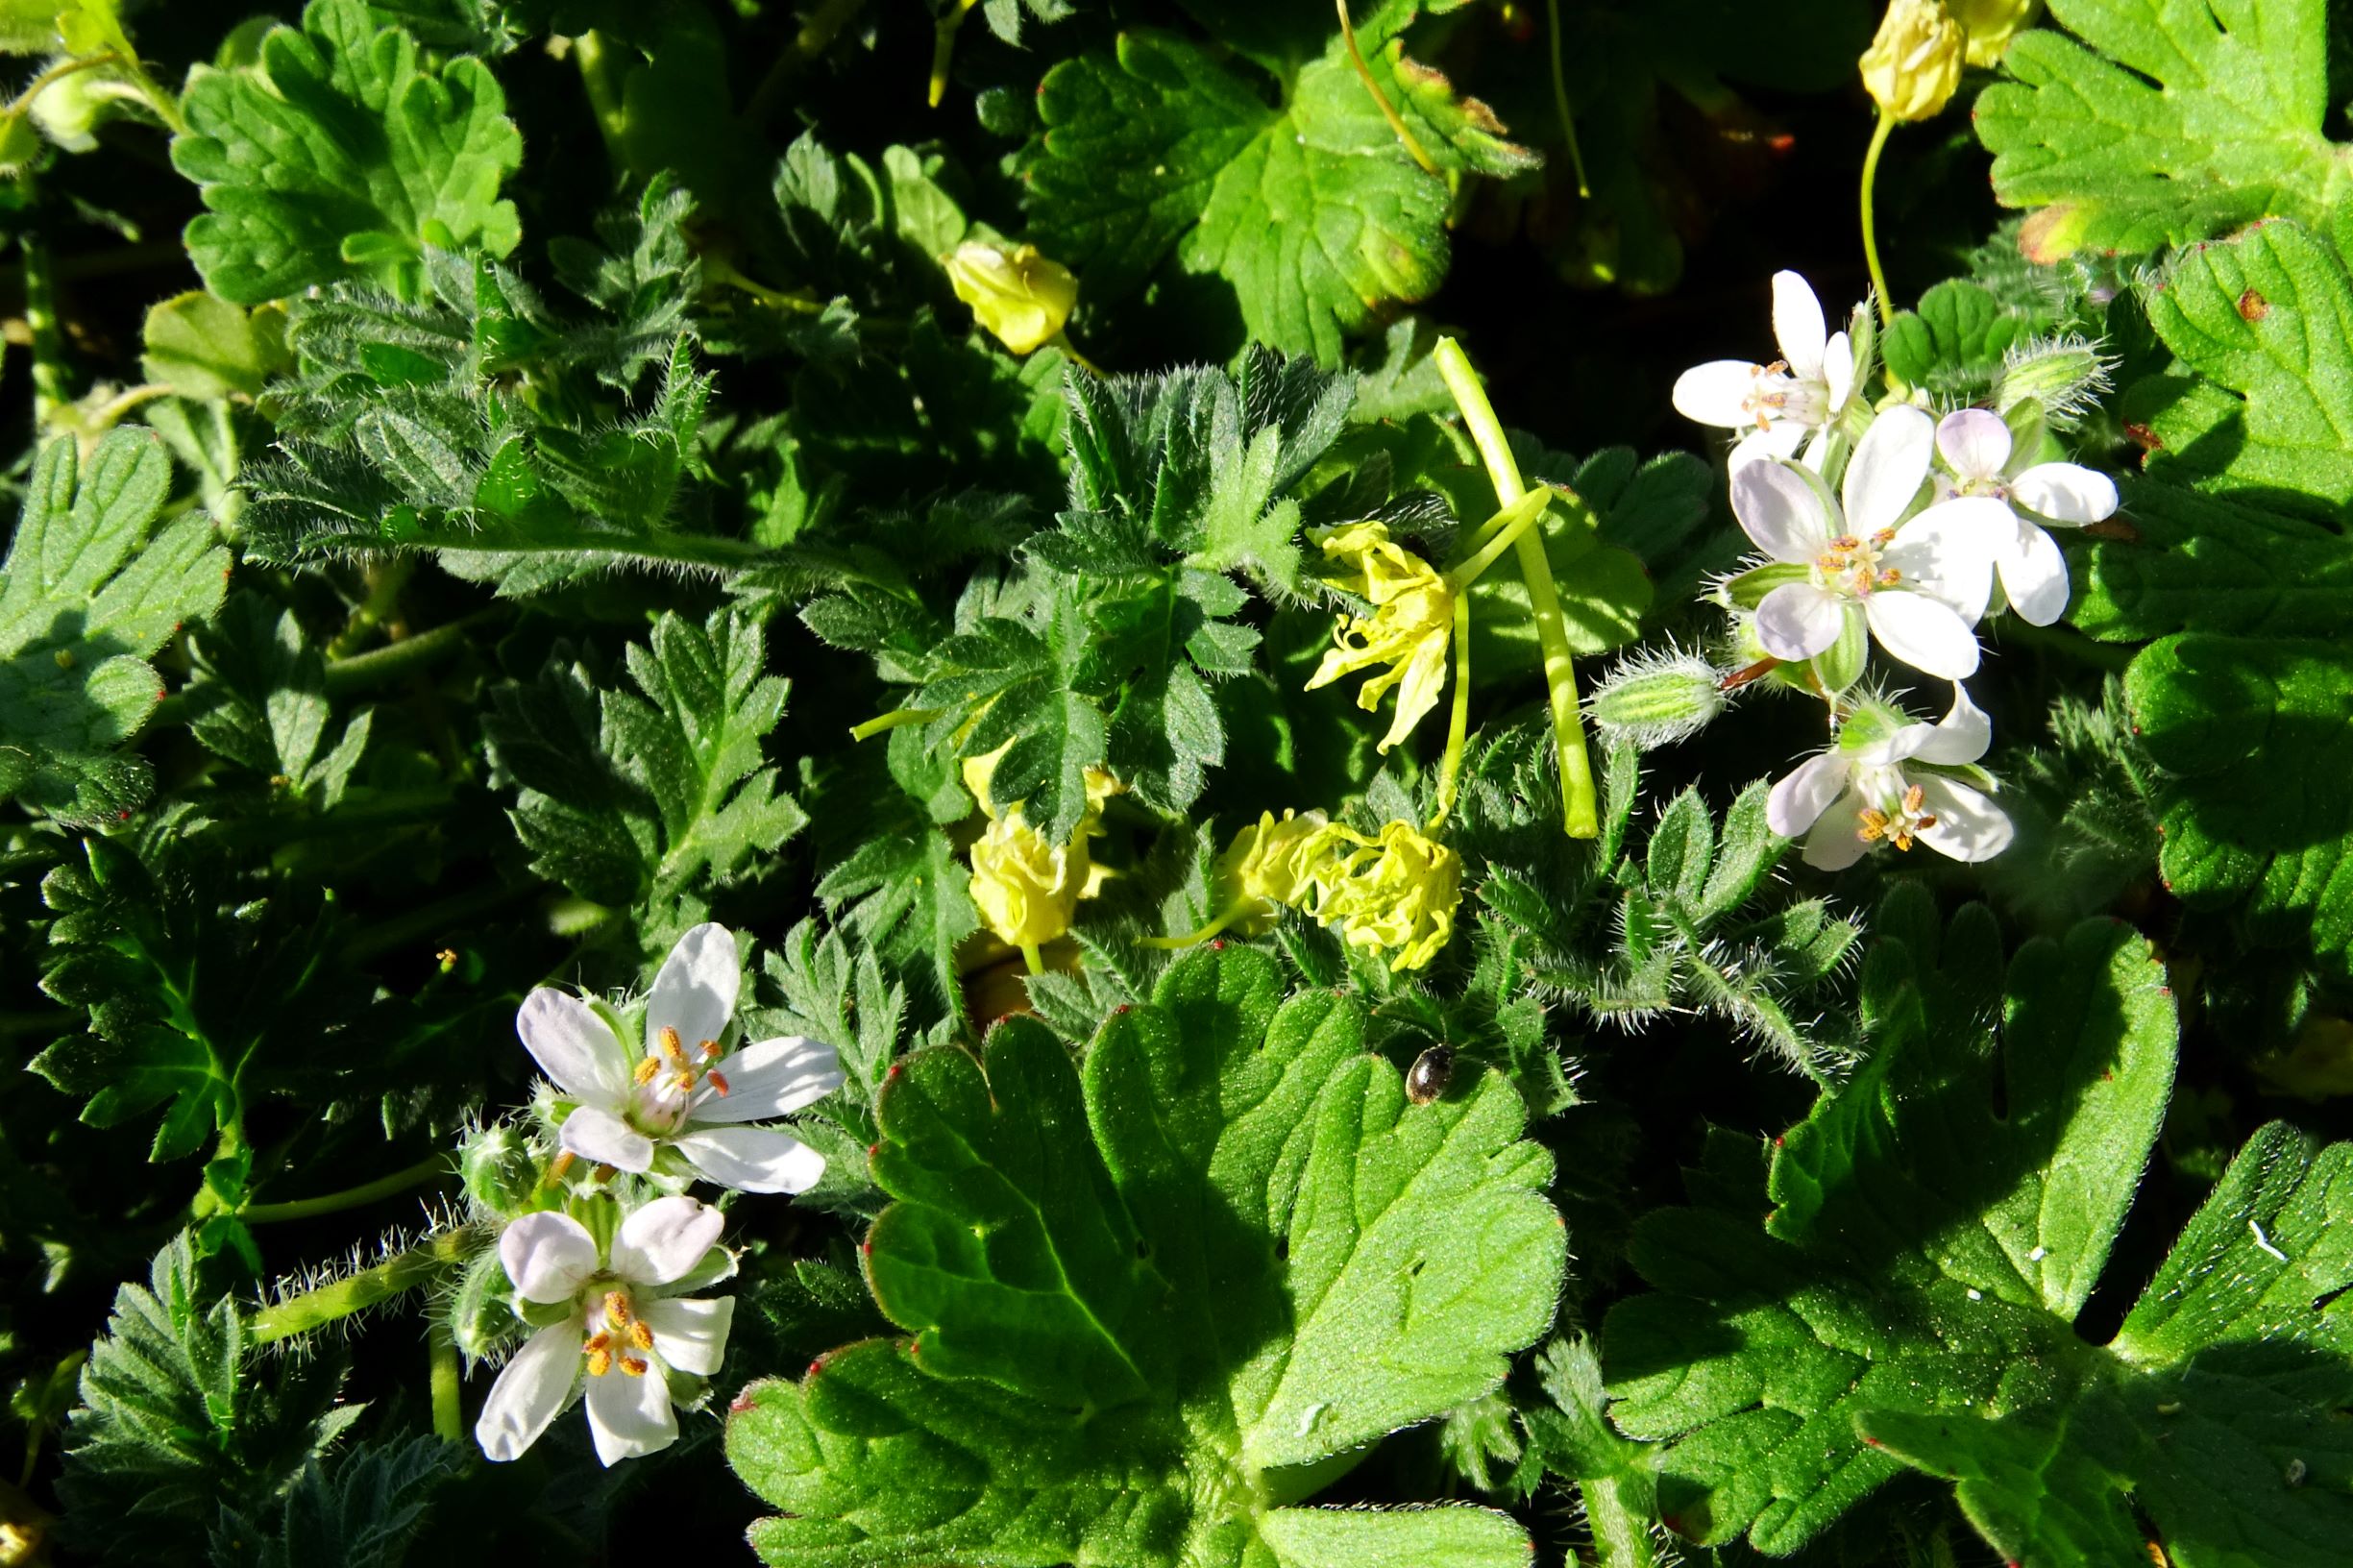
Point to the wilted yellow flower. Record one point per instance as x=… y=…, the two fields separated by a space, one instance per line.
x=1914 y=65
x=1027 y=889
x=1288 y=861
x=1021 y=297
x=1413 y=616
x=1399 y=892
x=1989 y=25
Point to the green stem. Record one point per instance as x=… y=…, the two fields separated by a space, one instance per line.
x=378 y=666
x=1560 y=102
x=943 y=49
x=1226 y=917
x=1871 y=231
x=369 y=1287
x=51 y=389
x=718 y=269
x=1458 y=719
x=893 y=720
x=600 y=81
x=1579 y=806
x=1033 y=959
x=351 y=1197
x=385 y=581
x=1499 y=533
x=1381 y=100
x=442 y=1377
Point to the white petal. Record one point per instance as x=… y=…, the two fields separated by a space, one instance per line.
x=1780 y=511
x=1926 y=633
x=1975 y=443
x=571 y=1045
x=772 y=1078
x=1838 y=370
x=530 y=1392
x=1980 y=524
x=1797 y=799
x=2035 y=576
x=1934 y=556
x=2065 y=493
x=751 y=1159
x=664 y=1239
x=1968 y=826
x=1886 y=471
x=1717 y=393
x=1798 y=325
x=547 y=1255
x=1961 y=736
x=1798 y=621
x=695 y=994
x=689 y=1335
x=594 y=1133
x=629 y=1417
x=1837 y=841
x=1780 y=439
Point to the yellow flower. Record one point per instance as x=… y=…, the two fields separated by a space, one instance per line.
x=1413 y=616
x=1027 y=889
x=1019 y=296
x=1285 y=862
x=1991 y=24
x=1914 y=65
x=1398 y=892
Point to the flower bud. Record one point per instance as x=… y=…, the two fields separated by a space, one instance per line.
x=2065 y=376
x=1914 y=65
x=500 y=1170
x=1656 y=699
x=1021 y=297
x=481 y=1317
x=1989 y=25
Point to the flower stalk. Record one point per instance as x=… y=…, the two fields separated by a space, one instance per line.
x=338 y=1299
x=351 y=1197
x=1871 y=232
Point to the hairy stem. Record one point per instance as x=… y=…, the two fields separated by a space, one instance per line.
x=442 y=1377
x=393 y=1277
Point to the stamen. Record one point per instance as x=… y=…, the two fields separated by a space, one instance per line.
x=641 y=1336
x=617 y=1308
x=670 y=1047
x=634 y=1366
x=648 y=1067
x=600 y=1362
x=719 y=1081
x=684 y=1081
x=709 y=1049
x=557 y=1167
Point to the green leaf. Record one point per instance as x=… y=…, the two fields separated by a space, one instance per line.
x=1952 y=345
x=359 y=1509
x=1309 y=209
x=91 y=587
x=177 y=1421
x=1149 y=1299
x=261 y=700
x=343 y=154
x=203 y=347
x=2167 y=122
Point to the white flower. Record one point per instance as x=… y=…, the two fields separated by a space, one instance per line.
x=2004 y=511
x=1779 y=404
x=1919 y=587
x=681 y=1092
x=1860 y=792
x=624 y=1334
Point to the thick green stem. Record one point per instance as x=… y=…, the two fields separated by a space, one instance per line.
x=385 y=581
x=943 y=49
x=369 y=1287
x=1032 y=958
x=1458 y=719
x=394 y=660
x=52 y=388
x=1579 y=806
x=442 y=1378
x=1871 y=231
x=351 y=1197
x=1497 y=535
x=881 y=723
x=600 y=81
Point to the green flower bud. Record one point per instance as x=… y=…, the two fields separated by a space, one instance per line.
x=2065 y=376
x=500 y=1170
x=1655 y=699
x=482 y=1318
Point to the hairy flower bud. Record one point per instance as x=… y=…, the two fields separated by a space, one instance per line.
x=2065 y=376
x=1655 y=699
x=1990 y=25
x=500 y=1170
x=1914 y=65
x=1020 y=297
x=482 y=1318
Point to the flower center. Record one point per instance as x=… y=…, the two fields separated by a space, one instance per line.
x=1851 y=565
x=1775 y=394
x=617 y=1336
x=1900 y=826
x=667 y=1078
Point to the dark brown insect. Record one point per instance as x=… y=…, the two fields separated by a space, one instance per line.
x=1431 y=1072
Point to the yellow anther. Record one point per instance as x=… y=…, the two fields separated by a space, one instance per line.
x=709 y=1050
x=670 y=1047
x=600 y=1362
x=684 y=1081
x=641 y=1336
x=647 y=1069
x=633 y=1366
x=556 y=1166
x=617 y=1308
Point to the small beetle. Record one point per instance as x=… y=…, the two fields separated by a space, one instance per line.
x=1431 y=1072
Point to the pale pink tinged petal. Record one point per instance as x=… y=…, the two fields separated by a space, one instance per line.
x=629 y=1416
x=772 y=1078
x=594 y=1133
x=1947 y=563
x=665 y=1238
x=1805 y=793
x=1798 y=621
x=2035 y=576
x=1775 y=441
x=1968 y=826
x=2065 y=493
x=1779 y=509
x=1837 y=839
x=695 y=994
x=689 y=1335
x=1887 y=468
x=1975 y=443
x=1961 y=736
x=1979 y=525
x=547 y=1255
x=1798 y=325
x=1926 y=633
x=1717 y=393
x=530 y=1392
x=752 y=1158
x=1838 y=370
x=571 y=1045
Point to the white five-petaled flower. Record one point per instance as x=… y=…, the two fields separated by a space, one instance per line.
x=1801 y=394
x=624 y=1335
x=2005 y=511
x=1887 y=781
x=1919 y=586
x=682 y=1091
